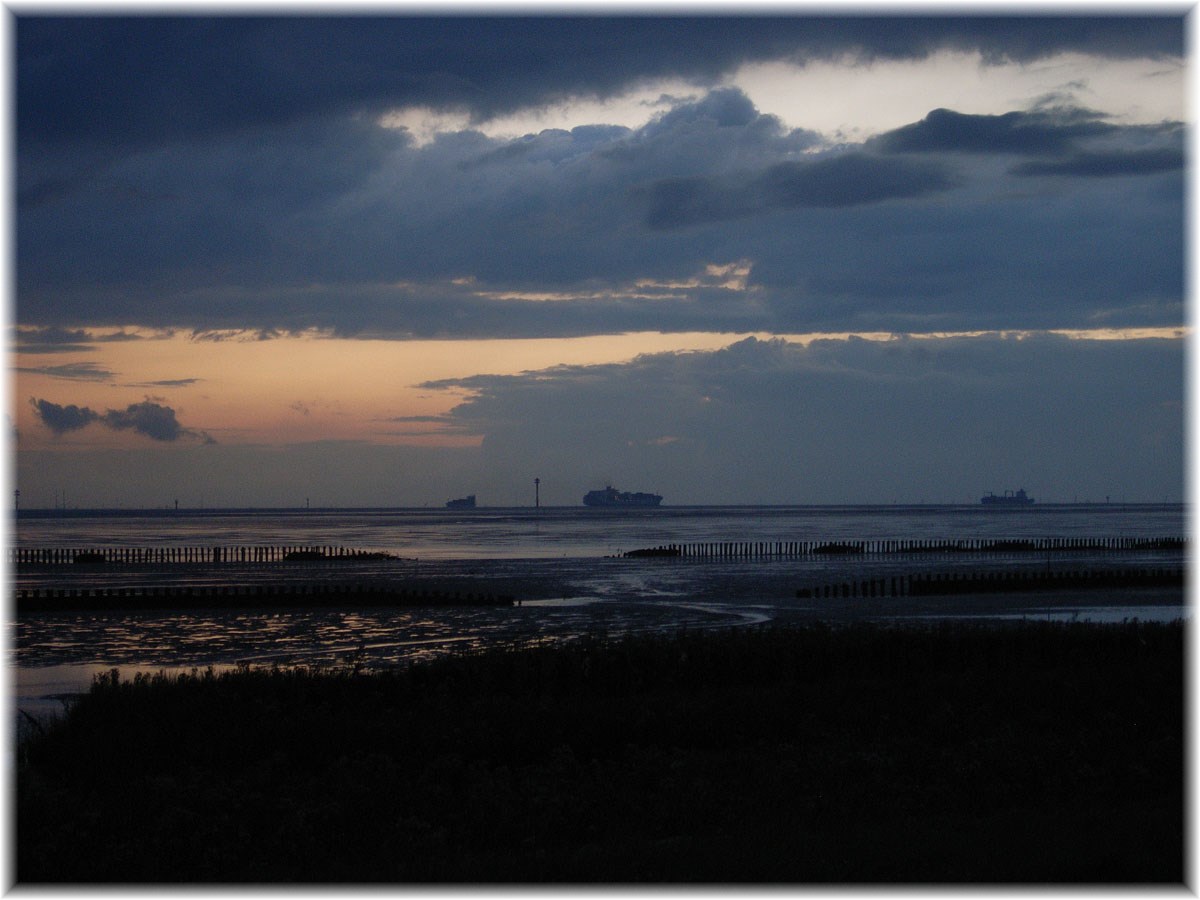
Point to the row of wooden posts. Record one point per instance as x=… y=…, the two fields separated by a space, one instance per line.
x=930 y=584
x=157 y=555
x=36 y=556
x=924 y=584
x=248 y=596
x=786 y=549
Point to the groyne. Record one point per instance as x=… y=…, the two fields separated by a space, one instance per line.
x=798 y=549
x=932 y=584
x=741 y=550
x=56 y=556
x=246 y=596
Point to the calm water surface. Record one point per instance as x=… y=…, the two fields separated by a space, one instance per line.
x=523 y=533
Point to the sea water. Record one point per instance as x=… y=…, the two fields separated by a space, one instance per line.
x=547 y=532
x=563 y=564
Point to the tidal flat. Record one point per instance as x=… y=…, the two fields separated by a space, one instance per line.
x=957 y=753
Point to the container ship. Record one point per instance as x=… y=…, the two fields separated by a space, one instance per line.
x=1010 y=498
x=610 y=496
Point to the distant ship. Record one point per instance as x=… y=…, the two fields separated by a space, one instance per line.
x=1010 y=498
x=467 y=502
x=610 y=496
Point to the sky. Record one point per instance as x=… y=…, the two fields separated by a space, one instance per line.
x=808 y=256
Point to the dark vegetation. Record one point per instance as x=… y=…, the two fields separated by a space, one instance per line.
x=1032 y=753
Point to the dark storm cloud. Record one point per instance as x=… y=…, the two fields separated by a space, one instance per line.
x=849 y=179
x=147 y=418
x=132 y=80
x=353 y=229
x=1105 y=165
x=388 y=239
x=944 y=130
x=267 y=219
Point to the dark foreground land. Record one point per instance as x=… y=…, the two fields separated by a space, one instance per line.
x=1030 y=753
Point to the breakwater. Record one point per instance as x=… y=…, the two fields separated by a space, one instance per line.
x=132 y=578
x=934 y=584
x=798 y=549
x=56 y=556
x=247 y=596
x=709 y=550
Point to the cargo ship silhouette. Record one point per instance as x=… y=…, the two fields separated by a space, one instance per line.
x=1010 y=498
x=611 y=497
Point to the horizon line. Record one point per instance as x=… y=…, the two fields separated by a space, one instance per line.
x=192 y=510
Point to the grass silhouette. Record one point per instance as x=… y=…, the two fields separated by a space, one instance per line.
x=1050 y=753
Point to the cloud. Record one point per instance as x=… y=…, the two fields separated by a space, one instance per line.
x=944 y=130
x=147 y=418
x=50 y=339
x=350 y=228
x=236 y=335
x=1107 y=165
x=121 y=81
x=168 y=382
x=82 y=371
x=55 y=339
x=849 y=179
x=1058 y=137
x=61 y=419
